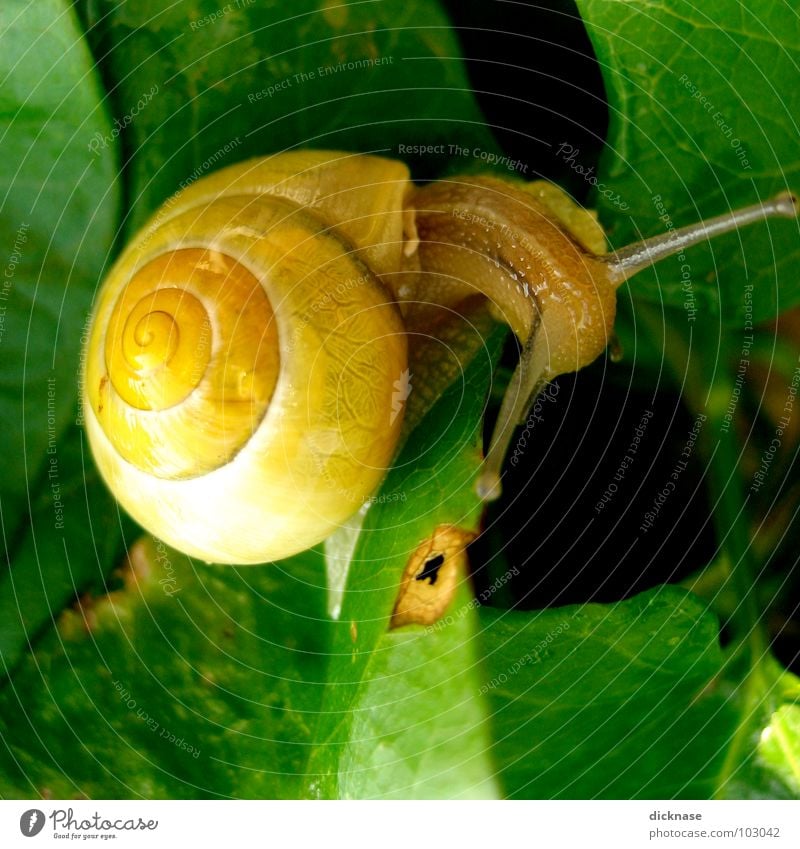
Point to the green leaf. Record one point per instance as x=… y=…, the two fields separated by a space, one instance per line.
x=701 y=121
x=417 y=728
x=58 y=221
x=223 y=681
x=434 y=478
x=607 y=701
x=779 y=746
x=202 y=681
x=198 y=85
x=763 y=761
x=76 y=532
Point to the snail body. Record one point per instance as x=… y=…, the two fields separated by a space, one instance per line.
x=242 y=370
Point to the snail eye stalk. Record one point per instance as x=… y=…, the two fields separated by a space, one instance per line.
x=533 y=371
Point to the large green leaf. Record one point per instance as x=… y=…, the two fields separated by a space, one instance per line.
x=58 y=218
x=418 y=726
x=434 y=477
x=198 y=85
x=206 y=680
x=608 y=701
x=704 y=118
x=187 y=681
x=75 y=532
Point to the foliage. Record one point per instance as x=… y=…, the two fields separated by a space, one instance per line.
x=130 y=670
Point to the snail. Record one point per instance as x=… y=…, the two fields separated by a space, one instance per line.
x=243 y=363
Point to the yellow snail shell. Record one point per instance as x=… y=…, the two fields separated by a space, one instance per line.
x=243 y=333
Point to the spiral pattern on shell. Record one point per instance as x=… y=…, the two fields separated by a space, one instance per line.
x=191 y=338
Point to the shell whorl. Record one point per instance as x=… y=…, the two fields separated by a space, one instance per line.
x=191 y=347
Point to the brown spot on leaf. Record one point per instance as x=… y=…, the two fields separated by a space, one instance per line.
x=85 y=613
x=89 y=611
x=335 y=14
x=431 y=576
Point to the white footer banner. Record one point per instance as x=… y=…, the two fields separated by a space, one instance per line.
x=401 y=825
